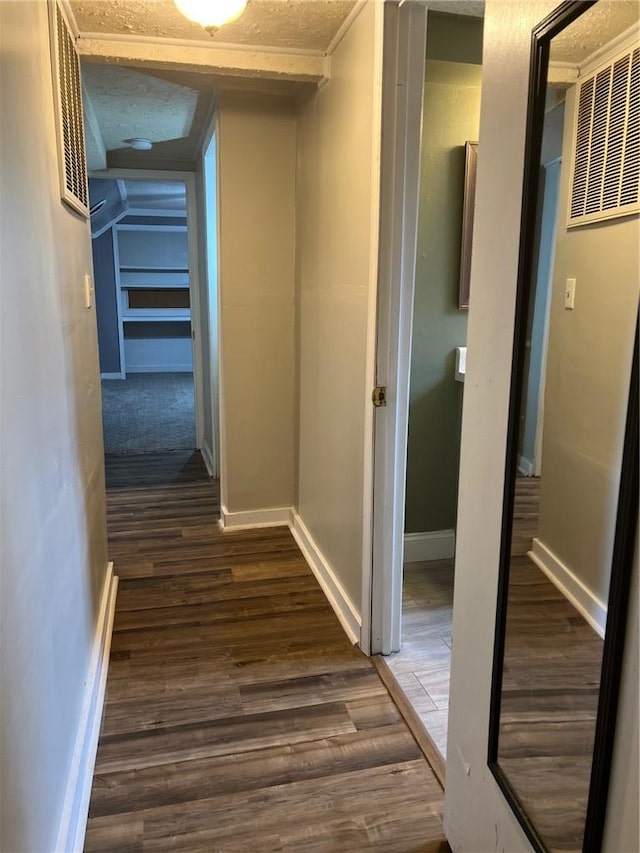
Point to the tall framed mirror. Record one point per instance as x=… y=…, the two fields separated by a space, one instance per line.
x=570 y=510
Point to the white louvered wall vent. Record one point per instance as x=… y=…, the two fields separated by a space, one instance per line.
x=605 y=179
x=72 y=162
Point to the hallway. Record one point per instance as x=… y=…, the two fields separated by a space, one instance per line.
x=237 y=714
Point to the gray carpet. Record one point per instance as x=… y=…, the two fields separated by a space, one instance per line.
x=147 y=412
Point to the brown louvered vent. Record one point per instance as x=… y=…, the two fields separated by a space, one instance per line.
x=606 y=166
x=68 y=95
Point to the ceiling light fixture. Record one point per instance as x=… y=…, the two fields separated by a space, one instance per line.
x=211 y=14
x=139 y=143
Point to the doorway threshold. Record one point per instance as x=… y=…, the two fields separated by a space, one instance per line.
x=418 y=675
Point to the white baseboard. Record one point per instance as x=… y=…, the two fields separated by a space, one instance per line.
x=272 y=517
x=337 y=596
x=207 y=457
x=431 y=545
x=159 y=368
x=75 y=809
x=111 y=375
x=525 y=466
x=573 y=589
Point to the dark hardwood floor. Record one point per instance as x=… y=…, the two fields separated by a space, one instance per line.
x=238 y=717
x=551 y=683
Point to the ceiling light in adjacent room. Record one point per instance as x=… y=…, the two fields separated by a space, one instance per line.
x=211 y=14
x=139 y=143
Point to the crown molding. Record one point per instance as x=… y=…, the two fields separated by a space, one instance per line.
x=624 y=40
x=67 y=10
x=128 y=38
x=207 y=58
x=345 y=26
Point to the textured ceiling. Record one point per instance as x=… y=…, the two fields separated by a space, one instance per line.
x=594 y=29
x=168 y=108
x=299 y=24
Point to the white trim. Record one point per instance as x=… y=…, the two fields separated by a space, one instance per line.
x=345 y=26
x=279 y=516
x=75 y=808
x=207 y=457
x=116 y=269
x=159 y=368
x=431 y=545
x=71 y=18
x=164 y=175
x=110 y=224
x=370 y=421
x=111 y=376
x=202 y=43
x=132 y=226
x=208 y=178
x=335 y=593
x=208 y=57
x=525 y=466
x=194 y=299
x=618 y=44
x=562 y=74
x=221 y=399
x=403 y=82
x=151 y=212
x=573 y=589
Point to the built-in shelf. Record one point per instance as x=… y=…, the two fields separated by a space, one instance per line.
x=152 y=257
x=151 y=268
x=159 y=318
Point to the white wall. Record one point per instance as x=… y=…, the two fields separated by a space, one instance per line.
x=257 y=137
x=53 y=539
x=338 y=135
x=476 y=815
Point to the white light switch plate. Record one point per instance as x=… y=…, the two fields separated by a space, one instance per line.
x=570 y=294
x=88 y=291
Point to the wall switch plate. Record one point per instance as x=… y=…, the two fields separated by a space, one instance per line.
x=570 y=294
x=88 y=291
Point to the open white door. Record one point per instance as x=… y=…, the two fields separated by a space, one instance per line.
x=403 y=82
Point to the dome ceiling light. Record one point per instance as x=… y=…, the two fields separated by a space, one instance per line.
x=139 y=143
x=211 y=14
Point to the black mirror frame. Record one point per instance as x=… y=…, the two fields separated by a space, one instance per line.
x=627 y=512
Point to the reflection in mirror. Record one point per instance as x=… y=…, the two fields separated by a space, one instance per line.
x=568 y=426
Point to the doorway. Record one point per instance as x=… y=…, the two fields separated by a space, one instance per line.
x=143 y=306
x=419 y=663
x=420 y=667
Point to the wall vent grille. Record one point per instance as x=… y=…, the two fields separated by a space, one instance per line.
x=68 y=97
x=605 y=180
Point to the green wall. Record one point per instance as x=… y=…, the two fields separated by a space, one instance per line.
x=451 y=117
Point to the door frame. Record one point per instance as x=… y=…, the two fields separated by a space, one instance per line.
x=555 y=164
x=188 y=179
x=404 y=59
x=211 y=139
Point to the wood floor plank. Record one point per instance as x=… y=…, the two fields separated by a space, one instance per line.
x=238 y=717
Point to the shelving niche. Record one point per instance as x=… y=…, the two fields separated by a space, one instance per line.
x=152 y=291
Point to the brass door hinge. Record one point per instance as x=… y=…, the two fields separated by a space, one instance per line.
x=379 y=396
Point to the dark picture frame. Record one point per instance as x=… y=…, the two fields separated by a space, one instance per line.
x=627 y=510
x=468 y=208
